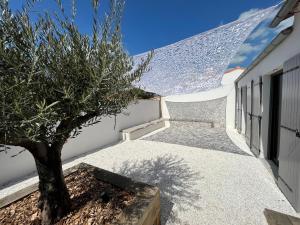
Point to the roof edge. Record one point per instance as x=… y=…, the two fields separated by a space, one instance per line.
x=275 y=42
x=285 y=12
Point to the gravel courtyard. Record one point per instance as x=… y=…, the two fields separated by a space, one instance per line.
x=198 y=186
x=193 y=134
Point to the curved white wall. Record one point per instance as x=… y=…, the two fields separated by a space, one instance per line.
x=91 y=138
x=226 y=89
x=201 y=96
x=227 y=84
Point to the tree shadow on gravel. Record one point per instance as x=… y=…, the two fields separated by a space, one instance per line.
x=175 y=179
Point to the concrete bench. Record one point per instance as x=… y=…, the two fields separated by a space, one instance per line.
x=136 y=132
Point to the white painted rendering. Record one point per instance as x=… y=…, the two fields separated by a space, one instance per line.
x=265 y=68
x=201 y=96
x=230 y=109
x=90 y=139
x=164 y=109
x=231 y=75
x=228 y=81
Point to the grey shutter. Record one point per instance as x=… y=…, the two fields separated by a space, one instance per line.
x=256 y=116
x=289 y=150
x=249 y=114
x=238 y=117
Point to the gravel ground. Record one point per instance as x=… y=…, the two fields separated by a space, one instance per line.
x=197 y=187
x=195 y=135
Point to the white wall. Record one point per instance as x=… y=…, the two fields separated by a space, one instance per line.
x=230 y=109
x=228 y=80
x=271 y=63
x=226 y=89
x=91 y=138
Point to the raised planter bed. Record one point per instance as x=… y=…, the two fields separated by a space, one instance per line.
x=132 y=202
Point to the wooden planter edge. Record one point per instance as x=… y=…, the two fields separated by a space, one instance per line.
x=146 y=210
x=31 y=188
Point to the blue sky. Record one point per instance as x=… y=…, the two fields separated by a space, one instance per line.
x=150 y=24
x=258 y=40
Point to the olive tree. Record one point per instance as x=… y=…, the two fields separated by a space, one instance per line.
x=54 y=80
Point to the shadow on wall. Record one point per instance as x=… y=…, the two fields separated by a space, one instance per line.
x=175 y=179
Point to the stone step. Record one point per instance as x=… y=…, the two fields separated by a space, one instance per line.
x=136 y=132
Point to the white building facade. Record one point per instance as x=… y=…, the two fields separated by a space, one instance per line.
x=268 y=104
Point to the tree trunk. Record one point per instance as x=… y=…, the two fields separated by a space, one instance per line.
x=54 y=199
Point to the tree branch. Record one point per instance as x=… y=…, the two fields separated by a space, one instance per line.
x=83 y=119
x=33 y=147
x=62 y=134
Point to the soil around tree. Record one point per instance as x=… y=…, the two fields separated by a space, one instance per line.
x=92 y=202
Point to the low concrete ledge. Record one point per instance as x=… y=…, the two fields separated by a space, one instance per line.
x=200 y=123
x=205 y=124
x=143 y=129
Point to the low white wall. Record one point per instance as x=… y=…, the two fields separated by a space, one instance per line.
x=216 y=93
x=91 y=138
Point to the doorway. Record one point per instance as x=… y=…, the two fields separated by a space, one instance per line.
x=275 y=115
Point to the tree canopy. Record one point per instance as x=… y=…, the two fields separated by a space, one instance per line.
x=54 y=79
